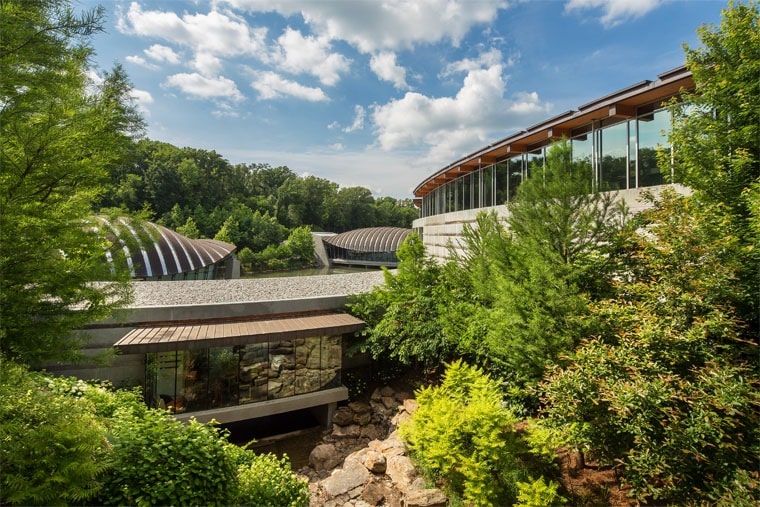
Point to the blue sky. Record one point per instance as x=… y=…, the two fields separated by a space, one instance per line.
x=380 y=93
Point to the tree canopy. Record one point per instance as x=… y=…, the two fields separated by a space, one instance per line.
x=61 y=133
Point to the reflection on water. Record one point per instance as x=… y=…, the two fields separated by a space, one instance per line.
x=323 y=270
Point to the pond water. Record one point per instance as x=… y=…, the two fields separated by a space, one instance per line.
x=333 y=270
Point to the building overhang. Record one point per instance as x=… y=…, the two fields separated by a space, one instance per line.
x=167 y=338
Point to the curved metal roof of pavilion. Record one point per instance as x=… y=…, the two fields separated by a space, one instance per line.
x=152 y=250
x=370 y=240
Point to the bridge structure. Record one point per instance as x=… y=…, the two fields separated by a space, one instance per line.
x=231 y=350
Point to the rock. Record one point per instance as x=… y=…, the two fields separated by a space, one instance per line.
x=359 y=408
x=371 y=432
x=402 y=396
x=411 y=405
x=343 y=416
x=362 y=419
x=400 y=418
x=374 y=492
x=401 y=471
x=345 y=479
x=324 y=457
x=375 y=396
x=375 y=462
x=389 y=401
x=387 y=391
x=425 y=498
x=344 y=432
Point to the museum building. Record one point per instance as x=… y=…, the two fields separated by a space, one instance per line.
x=615 y=137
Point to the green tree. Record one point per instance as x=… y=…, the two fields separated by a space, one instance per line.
x=668 y=389
x=555 y=259
x=228 y=232
x=59 y=137
x=301 y=244
x=189 y=229
x=716 y=131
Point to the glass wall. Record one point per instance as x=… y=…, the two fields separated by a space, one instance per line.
x=652 y=130
x=617 y=156
x=192 y=380
x=613 y=160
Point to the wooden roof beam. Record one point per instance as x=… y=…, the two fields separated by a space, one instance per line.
x=622 y=111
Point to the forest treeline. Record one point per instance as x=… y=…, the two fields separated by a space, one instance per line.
x=197 y=191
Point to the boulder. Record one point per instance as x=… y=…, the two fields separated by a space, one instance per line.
x=425 y=498
x=343 y=480
x=345 y=432
x=375 y=462
x=343 y=416
x=324 y=457
x=401 y=471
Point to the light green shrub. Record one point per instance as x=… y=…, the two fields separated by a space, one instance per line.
x=268 y=481
x=538 y=494
x=464 y=436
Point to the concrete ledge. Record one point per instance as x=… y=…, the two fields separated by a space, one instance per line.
x=269 y=407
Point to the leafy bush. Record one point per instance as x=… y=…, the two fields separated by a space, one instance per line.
x=538 y=494
x=269 y=481
x=157 y=460
x=463 y=435
x=51 y=446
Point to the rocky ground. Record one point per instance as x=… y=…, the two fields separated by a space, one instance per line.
x=363 y=462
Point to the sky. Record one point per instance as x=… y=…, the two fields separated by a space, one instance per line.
x=379 y=93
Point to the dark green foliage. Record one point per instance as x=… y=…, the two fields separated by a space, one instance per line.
x=60 y=135
x=405 y=316
x=668 y=390
x=52 y=447
x=157 y=460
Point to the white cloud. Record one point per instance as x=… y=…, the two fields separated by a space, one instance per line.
x=160 y=53
x=373 y=26
x=310 y=55
x=142 y=62
x=484 y=60
x=142 y=99
x=385 y=67
x=453 y=126
x=207 y=64
x=615 y=12
x=218 y=33
x=272 y=86
x=204 y=87
x=358 y=123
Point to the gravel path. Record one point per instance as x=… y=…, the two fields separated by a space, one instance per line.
x=252 y=289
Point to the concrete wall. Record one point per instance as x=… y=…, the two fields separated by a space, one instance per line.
x=440 y=231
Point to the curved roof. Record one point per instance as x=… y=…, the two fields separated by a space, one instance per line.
x=371 y=239
x=153 y=250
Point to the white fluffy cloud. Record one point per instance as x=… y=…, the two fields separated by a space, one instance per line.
x=615 y=11
x=309 y=55
x=273 y=86
x=453 y=126
x=160 y=53
x=217 y=33
x=485 y=59
x=142 y=62
x=385 y=67
x=204 y=87
x=358 y=123
x=207 y=64
x=378 y=25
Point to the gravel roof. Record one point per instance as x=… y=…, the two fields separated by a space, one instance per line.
x=242 y=290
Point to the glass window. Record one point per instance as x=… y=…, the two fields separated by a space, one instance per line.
x=501 y=176
x=450 y=196
x=460 y=193
x=632 y=154
x=652 y=130
x=535 y=163
x=515 y=175
x=582 y=148
x=475 y=189
x=254 y=368
x=223 y=377
x=466 y=195
x=282 y=369
x=331 y=354
x=487 y=179
x=614 y=157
